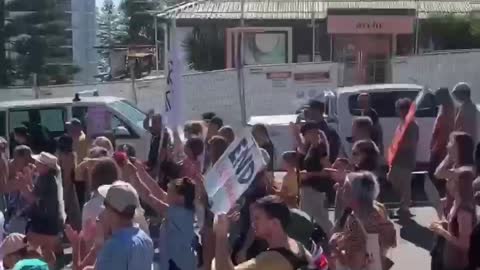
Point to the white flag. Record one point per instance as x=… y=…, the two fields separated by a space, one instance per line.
x=174 y=94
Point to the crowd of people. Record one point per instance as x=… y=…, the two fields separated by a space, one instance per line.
x=119 y=212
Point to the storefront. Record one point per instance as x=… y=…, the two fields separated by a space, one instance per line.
x=366 y=43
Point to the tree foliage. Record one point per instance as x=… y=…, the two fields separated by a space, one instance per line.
x=112 y=30
x=205 y=49
x=140 y=23
x=37 y=29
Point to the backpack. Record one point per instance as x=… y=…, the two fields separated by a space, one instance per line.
x=297 y=262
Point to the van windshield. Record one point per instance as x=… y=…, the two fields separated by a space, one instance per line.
x=130 y=112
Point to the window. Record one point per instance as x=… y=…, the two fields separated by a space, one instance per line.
x=384 y=103
x=130 y=112
x=52 y=119
x=116 y=123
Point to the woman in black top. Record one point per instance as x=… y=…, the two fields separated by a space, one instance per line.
x=260 y=133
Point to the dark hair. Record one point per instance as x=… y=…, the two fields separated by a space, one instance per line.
x=195 y=145
x=371 y=155
x=22 y=151
x=217 y=121
x=127 y=149
x=308 y=126
x=75 y=122
x=228 y=133
x=316 y=105
x=403 y=104
x=193 y=128
x=105 y=172
x=465 y=145
x=218 y=145
x=208 y=116
x=65 y=144
x=462 y=91
x=443 y=97
x=290 y=157
x=364 y=123
x=23 y=131
x=262 y=129
x=186 y=188
x=275 y=208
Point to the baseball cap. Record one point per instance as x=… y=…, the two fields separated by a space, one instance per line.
x=121 y=196
x=13 y=243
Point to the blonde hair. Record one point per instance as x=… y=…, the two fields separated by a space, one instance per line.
x=104 y=142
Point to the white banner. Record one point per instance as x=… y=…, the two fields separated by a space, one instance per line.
x=174 y=94
x=233 y=173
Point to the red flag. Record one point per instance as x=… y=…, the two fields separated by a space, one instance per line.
x=399 y=134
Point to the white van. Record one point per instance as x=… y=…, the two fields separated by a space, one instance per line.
x=342 y=107
x=125 y=121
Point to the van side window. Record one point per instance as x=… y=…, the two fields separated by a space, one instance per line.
x=51 y=118
x=384 y=103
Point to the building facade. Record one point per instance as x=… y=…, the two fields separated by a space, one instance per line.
x=363 y=35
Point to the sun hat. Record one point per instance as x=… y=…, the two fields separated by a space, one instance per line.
x=48 y=160
x=121 y=196
x=13 y=243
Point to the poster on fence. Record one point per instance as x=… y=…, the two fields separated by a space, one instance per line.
x=233 y=173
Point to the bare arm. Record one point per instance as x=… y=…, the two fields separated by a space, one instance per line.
x=443 y=170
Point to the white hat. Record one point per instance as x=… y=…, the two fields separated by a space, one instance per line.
x=48 y=160
x=13 y=243
x=121 y=196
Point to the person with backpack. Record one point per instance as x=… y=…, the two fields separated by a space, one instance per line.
x=270 y=219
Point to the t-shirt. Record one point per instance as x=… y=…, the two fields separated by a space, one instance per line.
x=466 y=120
x=372 y=114
x=127 y=249
x=289 y=191
x=31 y=264
x=80 y=146
x=176 y=238
x=311 y=162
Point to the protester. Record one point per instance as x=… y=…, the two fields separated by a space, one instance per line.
x=459 y=154
x=3 y=170
x=192 y=164
x=260 y=133
x=46 y=212
x=19 y=255
x=362 y=217
x=217 y=146
x=214 y=125
x=270 y=218
x=103 y=174
x=154 y=124
x=227 y=133
x=194 y=129
x=466 y=118
x=461 y=220
x=316 y=113
x=67 y=162
x=40 y=137
x=80 y=142
x=127 y=247
x=19 y=137
x=83 y=170
x=404 y=162
x=16 y=215
x=444 y=124
x=362 y=129
x=177 y=207
x=289 y=190
x=366 y=110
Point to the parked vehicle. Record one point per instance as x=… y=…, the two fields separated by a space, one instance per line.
x=342 y=107
x=124 y=121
